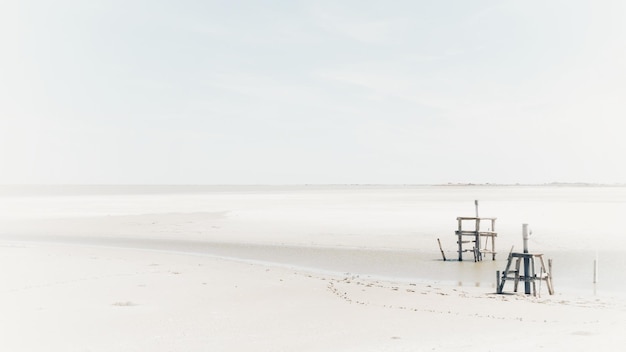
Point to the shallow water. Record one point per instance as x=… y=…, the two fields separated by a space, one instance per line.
x=370 y=230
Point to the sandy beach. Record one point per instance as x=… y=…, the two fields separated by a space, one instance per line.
x=297 y=268
x=289 y=176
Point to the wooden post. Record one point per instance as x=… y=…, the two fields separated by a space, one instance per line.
x=477 y=238
x=498 y=290
x=478 y=256
x=460 y=239
x=533 y=275
x=516 y=282
x=493 y=239
x=526 y=260
x=441 y=249
x=540 y=278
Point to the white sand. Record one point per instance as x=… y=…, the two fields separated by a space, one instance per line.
x=212 y=279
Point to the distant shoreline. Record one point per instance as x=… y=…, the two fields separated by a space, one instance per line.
x=552 y=184
x=148 y=189
x=148 y=185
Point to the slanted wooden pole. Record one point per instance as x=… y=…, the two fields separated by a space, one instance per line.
x=505 y=275
x=526 y=260
x=441 y=249
x=516 y=282
x=550 y=283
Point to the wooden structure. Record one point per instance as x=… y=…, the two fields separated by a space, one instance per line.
x=530 y=275
x=476 y=235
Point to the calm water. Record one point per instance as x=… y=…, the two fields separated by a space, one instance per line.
x=368 y=225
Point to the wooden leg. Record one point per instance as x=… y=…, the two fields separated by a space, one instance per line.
x=477 y=243
x=548 y=274
x=460 y=242
x=532 y=275
x=504 y=275
x=516 y=282
x=498 y=282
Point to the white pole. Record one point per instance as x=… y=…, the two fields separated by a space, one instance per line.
x=476 y=204
x=595 y=269
x=525 y=237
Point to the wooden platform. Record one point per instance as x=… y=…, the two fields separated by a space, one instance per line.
x=476 y=235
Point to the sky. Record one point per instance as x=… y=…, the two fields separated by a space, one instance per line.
x=312 y=92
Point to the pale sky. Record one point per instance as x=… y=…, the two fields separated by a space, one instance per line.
x=293 y=92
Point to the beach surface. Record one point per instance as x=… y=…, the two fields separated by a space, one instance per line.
x=309 y=268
